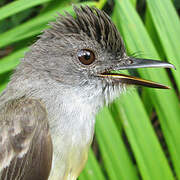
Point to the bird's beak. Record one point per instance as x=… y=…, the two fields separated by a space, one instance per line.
x=134 y=63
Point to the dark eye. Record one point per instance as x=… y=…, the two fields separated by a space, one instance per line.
x=86 y=56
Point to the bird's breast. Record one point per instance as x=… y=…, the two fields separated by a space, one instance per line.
x=72 y=133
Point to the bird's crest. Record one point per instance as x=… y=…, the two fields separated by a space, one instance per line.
x=94 y=23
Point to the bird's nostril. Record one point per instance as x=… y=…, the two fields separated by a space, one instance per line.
x=130 y=61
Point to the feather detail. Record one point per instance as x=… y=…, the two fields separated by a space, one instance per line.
x=24 y=139
x=93 y=22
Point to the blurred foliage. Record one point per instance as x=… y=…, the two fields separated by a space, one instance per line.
x=138 y=136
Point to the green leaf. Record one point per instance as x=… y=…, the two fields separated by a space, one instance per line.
x=167 y=25
x=137 y=38
x=129 y=113
x=133 y=2
x=18 y=6
x=4 y=79
x=92 y=169
x=148 y=153
x=153 y=34
x=10 y=62
x=115 y=156
x=35 y=25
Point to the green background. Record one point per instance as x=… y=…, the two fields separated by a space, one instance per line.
x=138 y=136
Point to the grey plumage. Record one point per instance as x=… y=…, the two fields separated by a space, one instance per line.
x=90 y=22
x=47 y=111
x=22 y=122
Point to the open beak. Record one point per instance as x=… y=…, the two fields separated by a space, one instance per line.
x=134 y=63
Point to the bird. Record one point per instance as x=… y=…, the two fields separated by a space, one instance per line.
x=47 y=111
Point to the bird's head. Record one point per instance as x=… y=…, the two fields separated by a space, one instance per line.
x=83 y=51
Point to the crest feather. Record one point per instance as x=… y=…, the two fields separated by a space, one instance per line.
x=95 y=23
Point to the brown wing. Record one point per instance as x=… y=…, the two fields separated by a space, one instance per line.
x=25 y=142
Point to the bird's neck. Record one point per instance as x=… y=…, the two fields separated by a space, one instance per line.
x=69 y=113
x=71 y=122
x=71 y=119
x=69 y=109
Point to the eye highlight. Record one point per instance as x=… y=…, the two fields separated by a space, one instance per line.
x=86 y=56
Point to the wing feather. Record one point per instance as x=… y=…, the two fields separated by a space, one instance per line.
x=25 y=141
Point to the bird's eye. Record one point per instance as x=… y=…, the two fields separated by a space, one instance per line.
x=86 y=56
